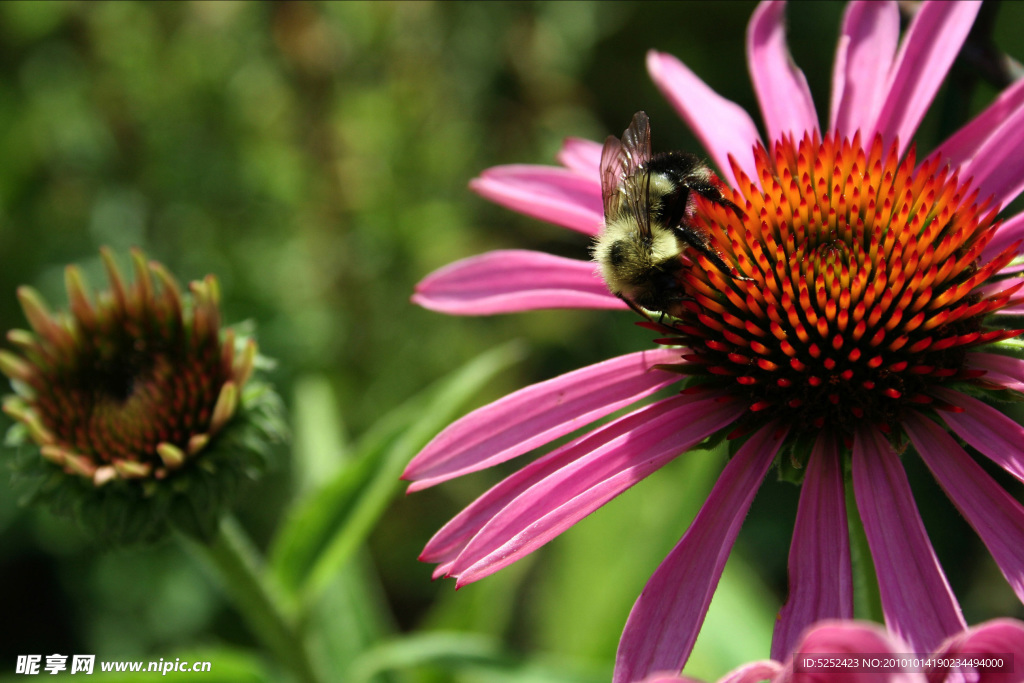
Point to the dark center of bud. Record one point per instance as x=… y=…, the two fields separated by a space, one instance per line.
x=125 y=394
x=113 y=374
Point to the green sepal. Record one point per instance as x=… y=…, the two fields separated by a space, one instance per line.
x=1014 y=346
x=987 y=394
x=191 y=500
x=793 y=456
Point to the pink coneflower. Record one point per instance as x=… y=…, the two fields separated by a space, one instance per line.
x=861 y=652
x=865 y=325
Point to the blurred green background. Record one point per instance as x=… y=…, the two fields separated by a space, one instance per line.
x=314 y=156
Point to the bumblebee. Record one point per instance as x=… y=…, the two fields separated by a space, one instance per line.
x=648 y=208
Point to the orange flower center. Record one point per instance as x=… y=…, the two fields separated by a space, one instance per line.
x=863 y=285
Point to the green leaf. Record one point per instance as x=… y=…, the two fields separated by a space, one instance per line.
x=319 y=442
x=738 y=626
x=465 y=652
x=867 y=598
x=314 y=519
x=232 y=558
x=329 y=526
x=350 y=615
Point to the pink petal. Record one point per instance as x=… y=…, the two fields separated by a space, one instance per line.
x=581 y=156
x=997 y=637
x=820 y=578
x=997 y=166
x=721 y=125
x=785 y=99
x=669 y=678
x=926 y=53
x=987 y=429
x=550 y=193
x=599 y=466
x=1014 y=309
x=534 y=416
x=864 y=54
x=916 y=599
x=838 y=638
x=1014 y=268
x=447 y=543
x=514 y=280
x=1011 y=230
x=997 y=518
x=994 y=287
x=1003 y=370
x=764 y=670
x=666 y=618
x=963 y=146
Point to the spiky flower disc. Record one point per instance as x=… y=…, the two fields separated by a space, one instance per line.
x=131 y=395
x=867 y=295
x=863 y=292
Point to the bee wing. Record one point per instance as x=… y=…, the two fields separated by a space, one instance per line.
x=613 y=157
x=636 y=142
x=624 y=169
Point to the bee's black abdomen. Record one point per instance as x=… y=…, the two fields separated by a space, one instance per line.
x=676 y=165
x=616 y=253
x=688 y=174
x=679 y=168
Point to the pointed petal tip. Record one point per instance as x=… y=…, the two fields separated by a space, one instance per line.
x=429 y=303
x=557 y=195
x=653 y=59
x=441 y=571
x=416 y=484
x=36 y=310
x=225 y=407
x=513 y=281
x=721 y=125
x=15 y=367
x=172 y=456
x=780 y=86
x=536 y=415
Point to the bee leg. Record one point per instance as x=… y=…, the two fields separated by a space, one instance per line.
x=711 y=192
x=635 y=307
x=646 y=314
x=735 y=209
x=702 y=243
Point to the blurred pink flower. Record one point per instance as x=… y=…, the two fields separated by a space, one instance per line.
x=1001 y=641
x=873 y=282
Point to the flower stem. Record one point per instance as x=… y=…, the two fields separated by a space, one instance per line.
x=867 y=600
x=231 y=556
